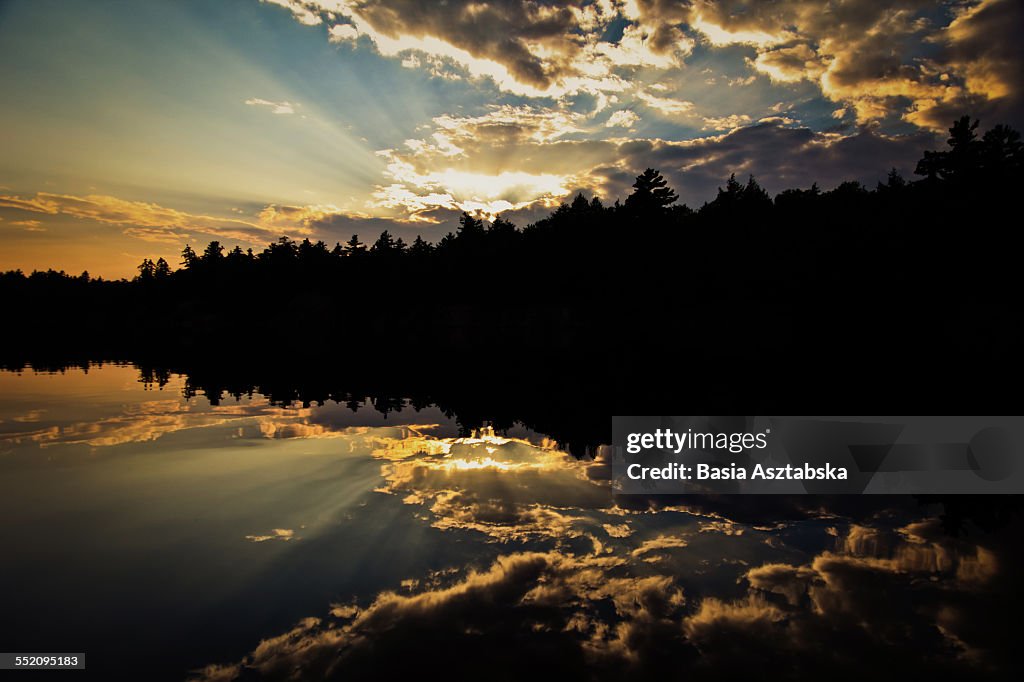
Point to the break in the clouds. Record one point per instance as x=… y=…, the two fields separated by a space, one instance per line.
x=401 y=114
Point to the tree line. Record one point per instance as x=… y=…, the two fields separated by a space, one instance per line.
x=972 y=165
x=912 y=272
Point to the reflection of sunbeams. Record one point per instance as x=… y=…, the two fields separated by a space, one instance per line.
x=506 y=488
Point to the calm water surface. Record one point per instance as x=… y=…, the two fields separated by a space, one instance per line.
x=162 y=533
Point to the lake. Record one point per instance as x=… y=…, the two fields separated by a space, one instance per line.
x=168 y=536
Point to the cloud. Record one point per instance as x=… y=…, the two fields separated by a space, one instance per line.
x=505 y=159
x=150 y=420
x=779 y=155
x=517 y=603
x=622 y=119
x=981 y=46
x=789 y=64
x=664 y=48
x=662 y=542
x=340 y=33
x=876 y=61
x=902 y=595
x=387 y=633
x=503 y=40
x=29 y=225
x=517 y=159
x=715 y=619
x=585 y=75
x=300 y=10
x=419 y=194
x=508 y=123
x=505 y=488
x=919 y=61
x=161 y=225
x=880 y=588
x=275 y=107
x=285 y=217
x=621 y=530
x=280 y=534
x=726 y=122
x=869 y=603
x=508 y=167
x=872 y=57
x=665 y=105
x=790 y=581
x=142 y=220
x=526 y=47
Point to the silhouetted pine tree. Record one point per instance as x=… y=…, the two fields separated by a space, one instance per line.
x=651 y=194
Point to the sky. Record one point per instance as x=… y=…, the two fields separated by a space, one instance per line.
x=129 y=129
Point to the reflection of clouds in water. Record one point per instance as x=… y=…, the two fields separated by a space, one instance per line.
x=662 y=542
x=621 y=530
x=592 y=585
x=271 y=428
x=907 y=600
x=152 y=419
x=912 y=588
x=620 y=611
x=724 y=527
x=507 y=488
x=29 y=417
x=282 y=534
x=519 y=600
x=920 y=547
x=111 y=407
x=124 y=411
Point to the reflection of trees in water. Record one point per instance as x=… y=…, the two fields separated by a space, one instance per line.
x=473 y=400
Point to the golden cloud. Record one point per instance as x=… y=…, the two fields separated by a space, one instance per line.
x=142 y=220
x=861 y=53
x=505 y=488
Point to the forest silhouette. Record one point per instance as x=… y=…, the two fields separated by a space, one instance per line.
x=905 y=291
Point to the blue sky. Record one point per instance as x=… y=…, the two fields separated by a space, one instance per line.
x=132 y=128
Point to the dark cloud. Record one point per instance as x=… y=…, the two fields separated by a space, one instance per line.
x=779 y=156
x=984 y=44
x=497 y=31
x=339 y=227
